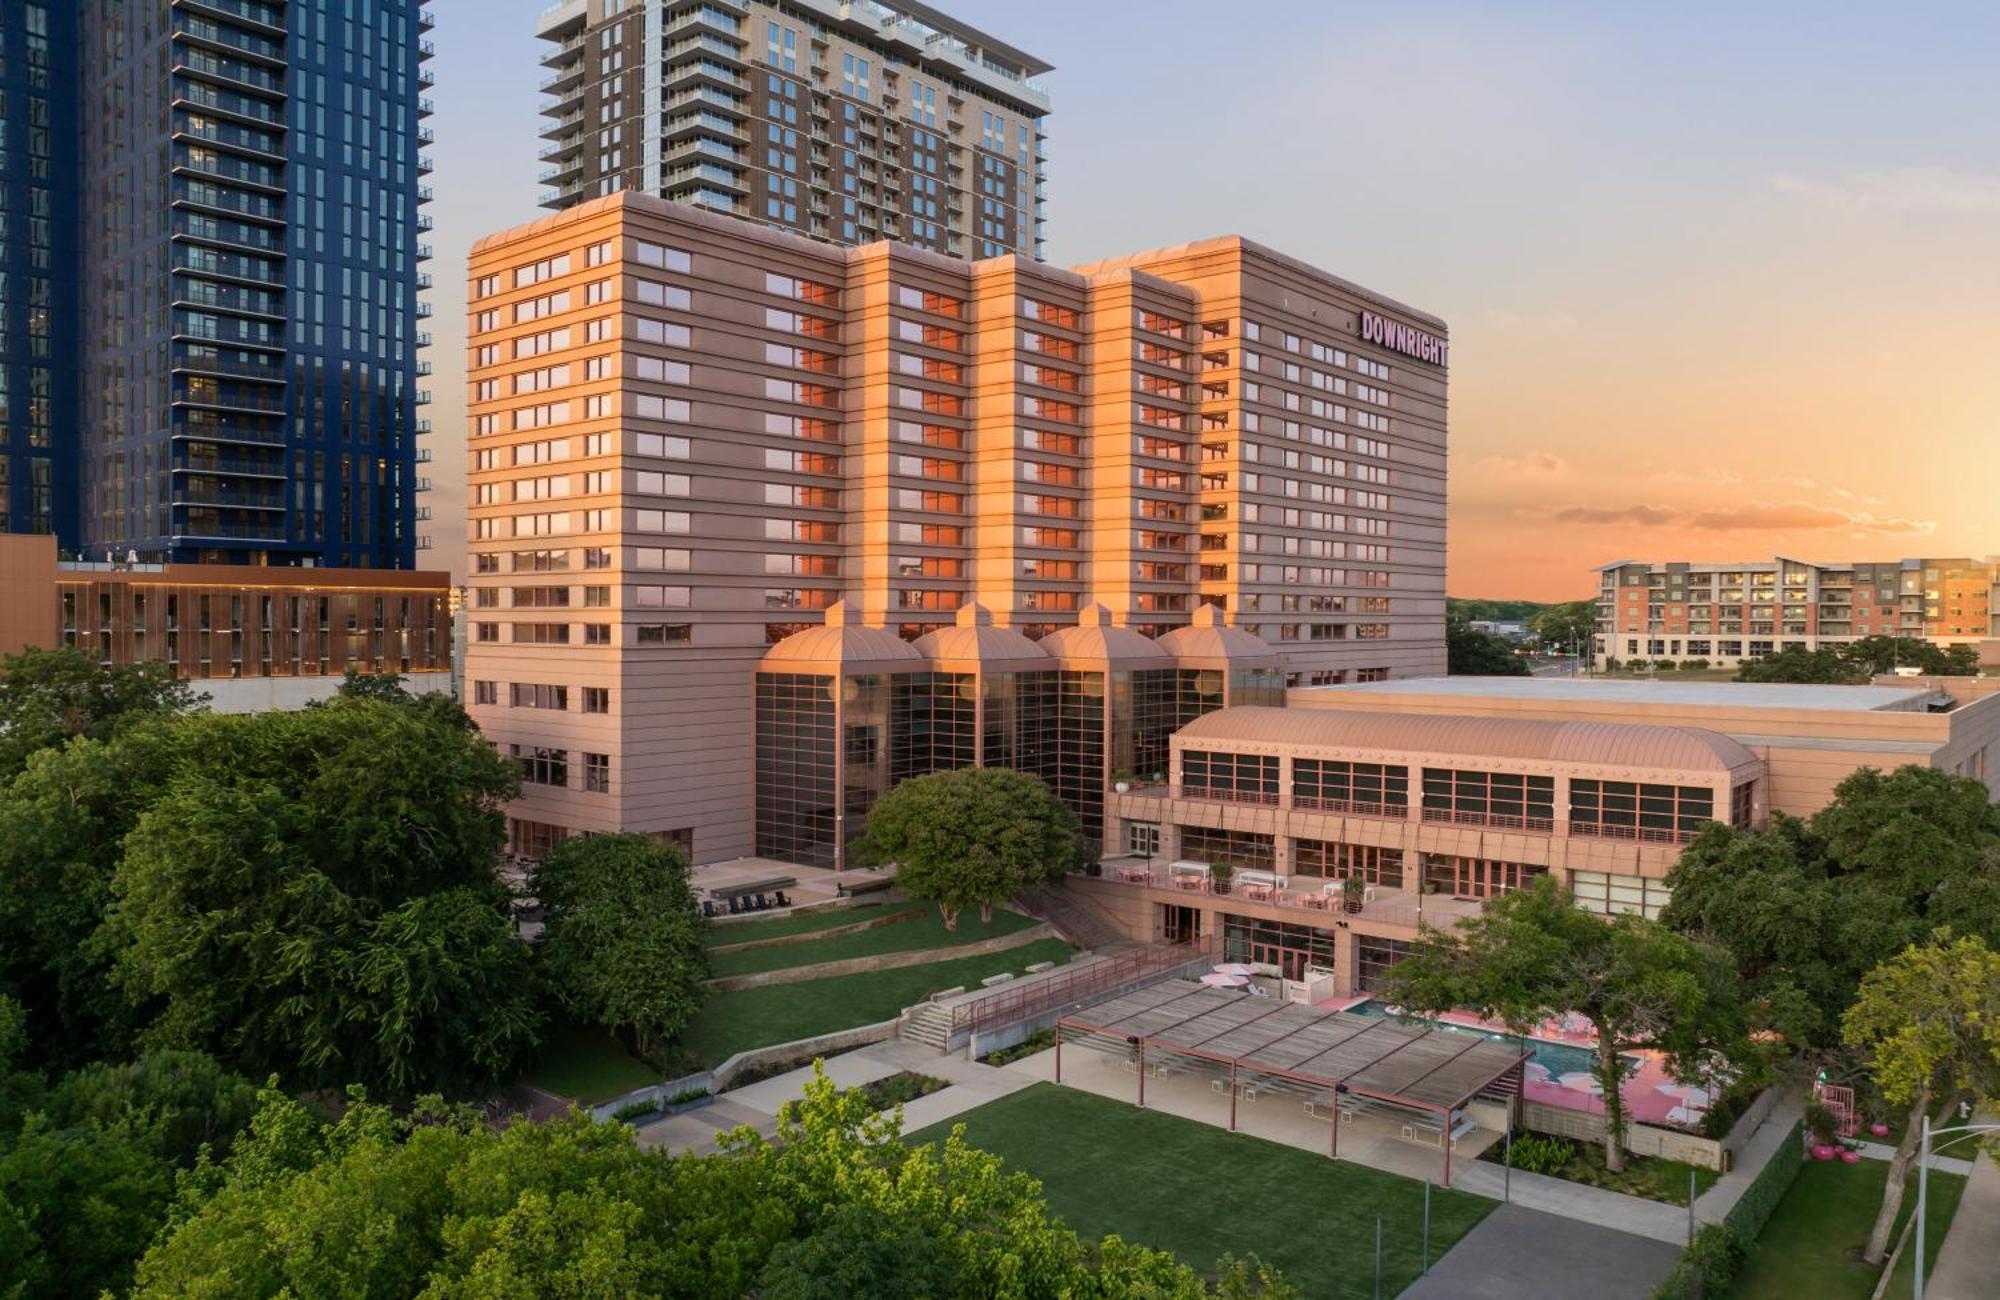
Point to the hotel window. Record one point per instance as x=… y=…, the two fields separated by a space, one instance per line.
x=596 y=699
x=1369 y=789
x=485 y=693
x=1247 y=778
x=1372 y=863
x=541 y=766
x=529 y=695
x=664 y=633
x=1502 y=799
x=597 y=773
x=1610 y=893
x=1631 y=811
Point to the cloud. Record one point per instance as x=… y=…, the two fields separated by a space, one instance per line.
x=1919 y=190
x=1527 y=464
x=1649 y=515
x=1712 y=476
x=1750 y=517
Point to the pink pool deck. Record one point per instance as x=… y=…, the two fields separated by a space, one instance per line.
x=1644 y=1102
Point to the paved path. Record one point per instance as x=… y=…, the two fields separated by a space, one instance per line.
x=1966 y=1266
x=1520 y=1254
x=1576 y=1202
x=757 y=1104
x=1939 y=1164
x=1714 y=1205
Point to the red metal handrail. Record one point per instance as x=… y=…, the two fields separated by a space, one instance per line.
x=1227 y=794
x=1353 y=807
x=1643 y=834
x=1499 y=821
x=1030 y=998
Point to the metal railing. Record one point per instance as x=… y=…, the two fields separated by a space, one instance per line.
x=1352 y=807
x=1017 y=1002
x=1498 y=821
x=1642 y=834
x=1267 y=797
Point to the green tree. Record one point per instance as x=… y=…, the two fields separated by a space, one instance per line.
x=1928 y=1020
x=1472 y=653
x=1533 y=954
x=1808 y=908
x=173 y=1103
x=1797 y=665
x=313 y=894
x=1873 y=656
x=1571 y=624
x=63 y=822
x=622 y=934
x=49 y=696
x=77 y=1205
x=972 y=837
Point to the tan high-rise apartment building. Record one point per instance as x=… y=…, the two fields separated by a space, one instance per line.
x=691 y=437
x=1727 y=613
x=843 y=120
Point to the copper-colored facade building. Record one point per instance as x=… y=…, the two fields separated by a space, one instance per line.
x=1727 y=613
x=253 y=636
x=690 y=437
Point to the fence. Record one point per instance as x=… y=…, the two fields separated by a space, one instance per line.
x=1005 y=1005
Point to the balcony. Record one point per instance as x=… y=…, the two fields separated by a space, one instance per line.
x=196 y=363
x=1492 y=821
x=1352 y=807
x=1633 y=834
x=1266 y=798
x=228 y=466
x=1301 y=899
x=201 y=492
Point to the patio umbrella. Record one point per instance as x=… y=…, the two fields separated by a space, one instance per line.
x=1235 y=968
x=1581 y=1080
x=1221 y=981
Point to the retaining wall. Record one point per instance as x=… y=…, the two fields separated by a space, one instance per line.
x=797 y=1052
x=879 y=961
x=1640 y=1139
x=807 y=936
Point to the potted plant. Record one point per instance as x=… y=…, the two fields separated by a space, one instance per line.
x=1352 y=891
x=1219 y=876
x=1121 y=781
x=1821 y=1124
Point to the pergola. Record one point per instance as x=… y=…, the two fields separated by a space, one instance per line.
x=1321 y=1055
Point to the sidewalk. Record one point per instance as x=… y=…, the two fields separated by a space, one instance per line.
x=1714 y=1205
x=1965 y=1263
x=972 y=1085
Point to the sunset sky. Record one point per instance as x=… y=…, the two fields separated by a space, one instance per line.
x=1718 y=284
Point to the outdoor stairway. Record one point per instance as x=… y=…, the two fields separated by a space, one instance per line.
x=1074 y=918
x=929 y=1024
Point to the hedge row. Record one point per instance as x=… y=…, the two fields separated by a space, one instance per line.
x=1711 y=1260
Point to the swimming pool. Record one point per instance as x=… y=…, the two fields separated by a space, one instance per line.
x=1557 y=1058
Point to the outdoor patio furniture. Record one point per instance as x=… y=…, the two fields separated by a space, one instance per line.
x=782 y=900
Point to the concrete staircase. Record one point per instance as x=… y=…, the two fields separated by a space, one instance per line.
x=928 y=1023
x=1074 y=917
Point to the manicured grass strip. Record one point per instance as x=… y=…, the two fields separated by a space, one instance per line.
x=734 y=1022
x=1649 y=1177
x=1203 y=1192
x=902 y=936
x=1812 y=1245
x=588 y=1065
x=795 y=923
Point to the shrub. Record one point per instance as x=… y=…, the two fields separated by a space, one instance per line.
x=1707 y=1266
x=1695 y=665
x=686 y=1095
x=1542 y=1155
x=1762 y=1196
x=632 y=1110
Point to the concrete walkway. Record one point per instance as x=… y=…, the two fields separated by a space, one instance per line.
x=1966 y=1267
x=757 y=1104
x=1714 y=1205
x=1939 y=1164
x=1521 y=1254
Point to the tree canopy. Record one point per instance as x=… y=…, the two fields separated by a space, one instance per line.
x=50 y=696
x=1855 y=662
x=1928 y=1022
x=973 y=837
x=308 y=893
x=441 y=1205
x=1573 y=623
x=1472 y=653
x=1533 y=955
x=622 y=934
x=1808 y=908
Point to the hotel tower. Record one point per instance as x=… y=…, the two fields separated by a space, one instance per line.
x=748 y=508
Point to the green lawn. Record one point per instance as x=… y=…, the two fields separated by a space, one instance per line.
x=587 y=1064
x=777 y=927
x=734 y=1022
x=901 y=936
x=1203 y=1192
x=1812 y=1244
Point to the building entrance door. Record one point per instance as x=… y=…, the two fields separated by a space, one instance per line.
x=1180 y=924
x=1291 y=963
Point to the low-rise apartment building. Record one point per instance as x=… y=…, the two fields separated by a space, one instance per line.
x=692 y=437
x=1440 y=794
x=1727 y=613
x=249 y=636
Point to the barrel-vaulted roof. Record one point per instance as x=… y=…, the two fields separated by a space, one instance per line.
x=973 y=645
x=1596 y=744
x=842 y=646
x=1095 y=643
x=1208 y=642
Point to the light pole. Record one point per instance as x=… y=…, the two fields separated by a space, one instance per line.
x=1923 y=1184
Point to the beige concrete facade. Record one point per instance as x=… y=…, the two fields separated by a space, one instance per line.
x=690 y=436
x=1729 y=613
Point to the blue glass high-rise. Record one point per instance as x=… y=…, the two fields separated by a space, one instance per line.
x=245 y=306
